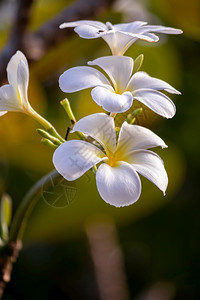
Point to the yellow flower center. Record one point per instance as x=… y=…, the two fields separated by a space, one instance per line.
x=114 y=158
x=111 y=161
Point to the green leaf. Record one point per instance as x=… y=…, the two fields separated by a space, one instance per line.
x=138 y=63
x=5 y=215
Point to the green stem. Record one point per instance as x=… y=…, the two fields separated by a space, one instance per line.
x=47 y=125
x=53 y=132
x=48 y=136
x=67 y=107
x=132 y=117
x=28 y=203
x=40 y=119
x=113 y=115
x=49 y=143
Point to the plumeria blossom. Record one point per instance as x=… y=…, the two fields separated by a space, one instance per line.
x=13 y=96
x=119 y=37
x=117 y=94
x=117 y=180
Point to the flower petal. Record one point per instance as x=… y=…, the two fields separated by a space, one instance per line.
x=101 y=127
x=73 y=158
x=89 y=32
x=141 y=80
x=87 y=29
x=13 y=66
x=111 y=101
x=118 y=68
x=160 y=29
x=96 y=24
x=124 y=35
x=134 y=137
x=79 y=78
x=118 y=41
x=119 y=185
x=156 y=101
x=151 y=166
x=129 y=27
x=9 y=101
x=148 y=37
x=2 y=113
x=22 y=81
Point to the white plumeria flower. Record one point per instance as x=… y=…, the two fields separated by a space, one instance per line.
x=117 y=180
x=119 y=37
x=13 y=96
x=117 y=95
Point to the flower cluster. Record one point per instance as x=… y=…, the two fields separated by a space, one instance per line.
x=120 y=153
x=124 y=156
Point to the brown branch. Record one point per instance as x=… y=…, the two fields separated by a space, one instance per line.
x=17 y=35
x=36 y=44
x=50 y=34
x=108 y=259
x=8 y=256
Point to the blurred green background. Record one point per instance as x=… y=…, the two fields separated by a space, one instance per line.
x=159 y=237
